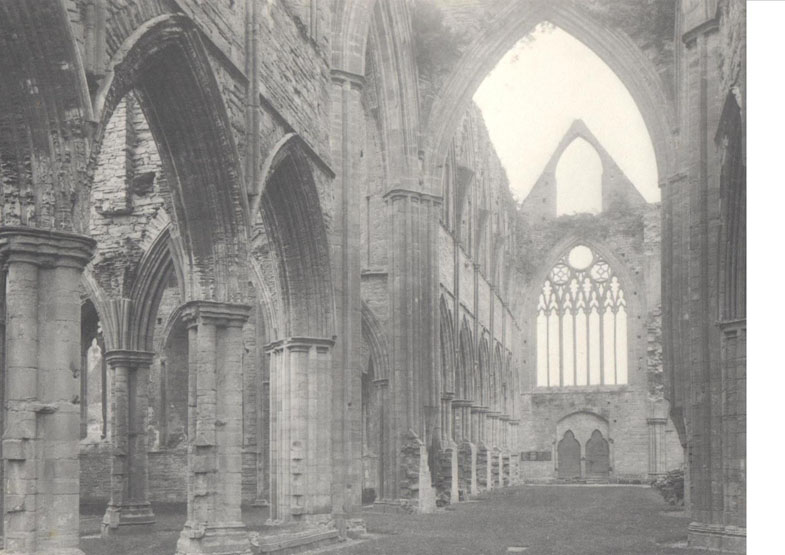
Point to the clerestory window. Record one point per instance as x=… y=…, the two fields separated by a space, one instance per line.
x=581 y=323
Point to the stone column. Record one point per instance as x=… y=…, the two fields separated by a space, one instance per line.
x=215 y=349
x=413 y=289
x=457 y=429
x=476 y=425
x=300 y=430
x=130 y=497
x=382 y=384
x=43 y=360
x=447 y=431
x=347 y=132
x=515 y=456
x=262 y=443
x=656 y=445
x=494 y=468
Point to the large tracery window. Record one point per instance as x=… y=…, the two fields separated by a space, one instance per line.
x=581 y=323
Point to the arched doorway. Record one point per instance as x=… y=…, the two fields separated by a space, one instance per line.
x=569 y=452
x=598 y=464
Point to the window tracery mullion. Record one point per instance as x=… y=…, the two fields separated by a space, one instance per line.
x=585 y=296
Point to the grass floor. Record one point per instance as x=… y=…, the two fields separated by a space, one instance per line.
x=547 y=520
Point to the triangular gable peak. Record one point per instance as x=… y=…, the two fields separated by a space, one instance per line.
x=617 y=189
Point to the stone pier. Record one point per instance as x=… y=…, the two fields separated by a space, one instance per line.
x=42 y=373
x=130 y=496
x=215 y=349
x=300 y=430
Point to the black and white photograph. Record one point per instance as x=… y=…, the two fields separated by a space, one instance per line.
x=377 y=277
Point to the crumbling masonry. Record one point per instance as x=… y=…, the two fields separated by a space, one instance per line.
x=263 y=252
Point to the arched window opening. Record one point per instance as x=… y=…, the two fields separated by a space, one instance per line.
x=94 y=387
x=581 y=323
x=170 y=369
x=579 y=180
x=586 y=88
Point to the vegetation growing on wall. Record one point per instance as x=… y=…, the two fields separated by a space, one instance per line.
x=535 y=240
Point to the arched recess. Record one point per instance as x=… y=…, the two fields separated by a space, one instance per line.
x=598 y=463
x=382 y=30
x=375 y=411
x=45 y=102
x=516 y=19
x=733 y=216
x=511 y=390
x=377 y=341
x=391 y=46
x=569 y=456
x=483 y=382
x=498 y=382
x=583 y=423
x=165 y=63
x=292 y=217
x=465 y=369
x=171 y=412
x=162 y=259
x=446 y=331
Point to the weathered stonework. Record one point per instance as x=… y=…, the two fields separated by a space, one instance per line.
x=322 y=164
x=41 y=435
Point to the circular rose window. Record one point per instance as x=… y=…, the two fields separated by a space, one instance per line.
x=580 y=257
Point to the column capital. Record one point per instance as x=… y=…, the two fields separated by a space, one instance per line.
x=733 y=327
x=479 y=409
x=381 y=383
x=461 y=403
x=215 y=313
x=45 y=248
x=341 y=77
x=131 y=359
x=418 y=196
x=300 y=344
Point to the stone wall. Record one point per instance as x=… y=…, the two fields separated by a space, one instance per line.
x=631 y=237
x=704 y=309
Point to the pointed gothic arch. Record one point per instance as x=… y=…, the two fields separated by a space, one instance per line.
x=465 y=368
x=446 y=331
x=514 y=20
x=165 y=62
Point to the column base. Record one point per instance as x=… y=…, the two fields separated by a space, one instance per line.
x=127 y=514
x=467 y=471
x=293 y=541
x=716 y=537
x=228 y=538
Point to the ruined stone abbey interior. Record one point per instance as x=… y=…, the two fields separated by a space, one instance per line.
x=262 y=257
